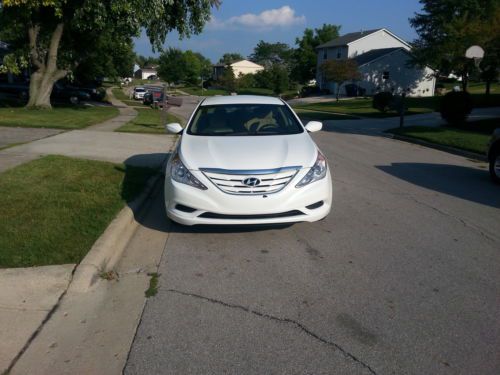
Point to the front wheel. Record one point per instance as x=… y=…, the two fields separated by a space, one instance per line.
x=495 y=166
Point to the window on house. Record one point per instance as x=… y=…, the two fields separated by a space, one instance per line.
x=338 y=55
x=385 y=75
x=325 y=54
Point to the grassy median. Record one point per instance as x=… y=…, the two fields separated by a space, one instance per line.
x=71 y=117
x=363 y=107
x=119 y=94
x=53 y=209
x=447 y=136
x=148 y=121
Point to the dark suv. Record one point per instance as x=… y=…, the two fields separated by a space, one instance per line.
x=494 y=156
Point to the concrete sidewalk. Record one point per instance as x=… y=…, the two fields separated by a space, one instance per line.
x=97 y=142
x=27 y=298
x=135 y=149
x=126 y=114
x=91 y=332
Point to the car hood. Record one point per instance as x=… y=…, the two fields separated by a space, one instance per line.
x=247 y=152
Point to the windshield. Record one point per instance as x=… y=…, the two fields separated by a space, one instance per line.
x=139 y=90
x=244 y=120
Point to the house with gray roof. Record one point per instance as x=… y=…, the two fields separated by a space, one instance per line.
x=384 y=61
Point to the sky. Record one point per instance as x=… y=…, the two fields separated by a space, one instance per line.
x=238 y=25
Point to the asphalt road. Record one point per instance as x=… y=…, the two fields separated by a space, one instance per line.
x=401 y=278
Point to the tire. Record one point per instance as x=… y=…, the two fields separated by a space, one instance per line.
x=74 y=100
x=495 y=166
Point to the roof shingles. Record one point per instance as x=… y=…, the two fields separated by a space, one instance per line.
x=347 y=38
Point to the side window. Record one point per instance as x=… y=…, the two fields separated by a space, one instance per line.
x=385 y=76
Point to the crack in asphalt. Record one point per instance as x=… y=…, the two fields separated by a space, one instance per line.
x=462 y=221
x=281 y=320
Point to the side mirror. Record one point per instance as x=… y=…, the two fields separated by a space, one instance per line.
x=314 y=126
x=174 y=128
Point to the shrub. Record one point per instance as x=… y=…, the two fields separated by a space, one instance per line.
x=247 y=81
x=456 y=107
x=382 y=101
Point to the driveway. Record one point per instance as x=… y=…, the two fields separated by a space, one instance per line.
x=401 y=278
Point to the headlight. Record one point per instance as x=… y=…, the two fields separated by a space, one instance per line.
x=317 y=172
x=180 y=173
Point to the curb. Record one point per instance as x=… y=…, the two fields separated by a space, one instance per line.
x=449 y=149
x=109 y=247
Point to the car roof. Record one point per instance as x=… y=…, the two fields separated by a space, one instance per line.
x=241 y=99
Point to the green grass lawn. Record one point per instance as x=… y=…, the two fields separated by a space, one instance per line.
x=191 y=90
x=53 y=209
x=363 y=107
x=134 y=103
x=464 y=139
x=59 y=117
x=148 y=121
x=306 y=116
x=475 y=87
x=119 y=94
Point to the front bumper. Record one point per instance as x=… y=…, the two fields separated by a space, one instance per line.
x=212 y=206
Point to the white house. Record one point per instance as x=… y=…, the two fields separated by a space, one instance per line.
x=240 y=68
x=146 y=72
x=384 y=61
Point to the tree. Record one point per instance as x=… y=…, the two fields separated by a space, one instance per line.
x=268 y=54
x=229 y=58
x=227 y=80
x=279 y=78
x=305 y=55
x=176 y=66
x=446 y=28
x=205 y=66
x=340 y=71
x=171 y=66
x=490 y=67
x=192 y=67
x=112 y=57
x=51 y=32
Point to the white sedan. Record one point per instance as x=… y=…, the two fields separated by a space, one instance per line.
x=139 y=93
x=246 y=160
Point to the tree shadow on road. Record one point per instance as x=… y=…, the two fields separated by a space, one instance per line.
x=467 y=183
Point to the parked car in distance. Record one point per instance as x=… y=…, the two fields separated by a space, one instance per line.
x=73 y=95
x=494 y=156
x=96 y=92
x=246 y=160
x=18 y=91
x=147 y=99
x=151 y=96
x=138 y=93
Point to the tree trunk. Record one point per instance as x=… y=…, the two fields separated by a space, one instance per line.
x=338 y=91
x=46 y=73
x=41 y=86
x=465 y=81
x=488 y=87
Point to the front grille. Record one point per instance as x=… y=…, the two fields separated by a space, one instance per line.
x=212 y=215
x=269 y=180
